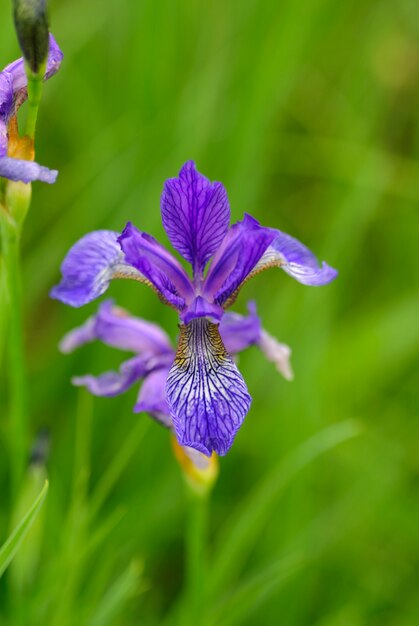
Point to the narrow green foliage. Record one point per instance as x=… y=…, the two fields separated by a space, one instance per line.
x=239 y=535
x=123 y=589
x=11 y=546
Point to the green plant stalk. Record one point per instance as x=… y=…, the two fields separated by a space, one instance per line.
x=10 y=234
x=196 y=539
x=34 y=99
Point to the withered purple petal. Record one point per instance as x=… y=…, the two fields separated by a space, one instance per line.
x=207 y=395
x=195 y=214
x=276 y=352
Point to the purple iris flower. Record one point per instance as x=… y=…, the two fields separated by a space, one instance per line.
x=154 y=355
x=206 y=394
x=13 y=92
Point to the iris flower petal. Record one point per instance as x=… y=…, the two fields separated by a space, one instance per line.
x=248 y=249
x=89 y=267
x=239 y=332
x=207 y=395
x=6 y=108
x=195 y=214
x=296 y=260
x=115 y=327
x=13 y=92
x=152 y=397
x=238 y=254
x=276 y=352
x=26 y=171
x=17 y=68
x=154 y=262
x=201 y=307
x=114 y=383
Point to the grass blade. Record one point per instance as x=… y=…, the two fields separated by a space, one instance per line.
x=244 y=529
x=11 y=546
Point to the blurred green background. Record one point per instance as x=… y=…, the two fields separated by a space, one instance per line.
x=307 y=111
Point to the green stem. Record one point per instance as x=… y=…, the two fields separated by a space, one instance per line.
x=196 y=536
x=34 y=99
x=16 y=370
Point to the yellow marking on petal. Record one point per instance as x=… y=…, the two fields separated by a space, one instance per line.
x=259 y=267
x=215 y=343
x=19 y=147
x=136 y=275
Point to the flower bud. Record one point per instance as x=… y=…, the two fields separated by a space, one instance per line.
x=31 y=25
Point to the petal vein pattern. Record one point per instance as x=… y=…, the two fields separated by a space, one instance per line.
x=89 y=267
x=195 y=214
x=207 y=395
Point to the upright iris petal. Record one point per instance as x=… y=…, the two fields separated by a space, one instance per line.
x=207 y=395
x=195 y=214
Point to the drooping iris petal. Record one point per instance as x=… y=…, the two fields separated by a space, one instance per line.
x=89 y=266
x=26 y=171
x=207 y=395
x=296 y=260
x=115 y=327
x=238 y=332
x=114 y=383
x=152 y=397
x=241 y=249
x=195 y=214
x=154 y=262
